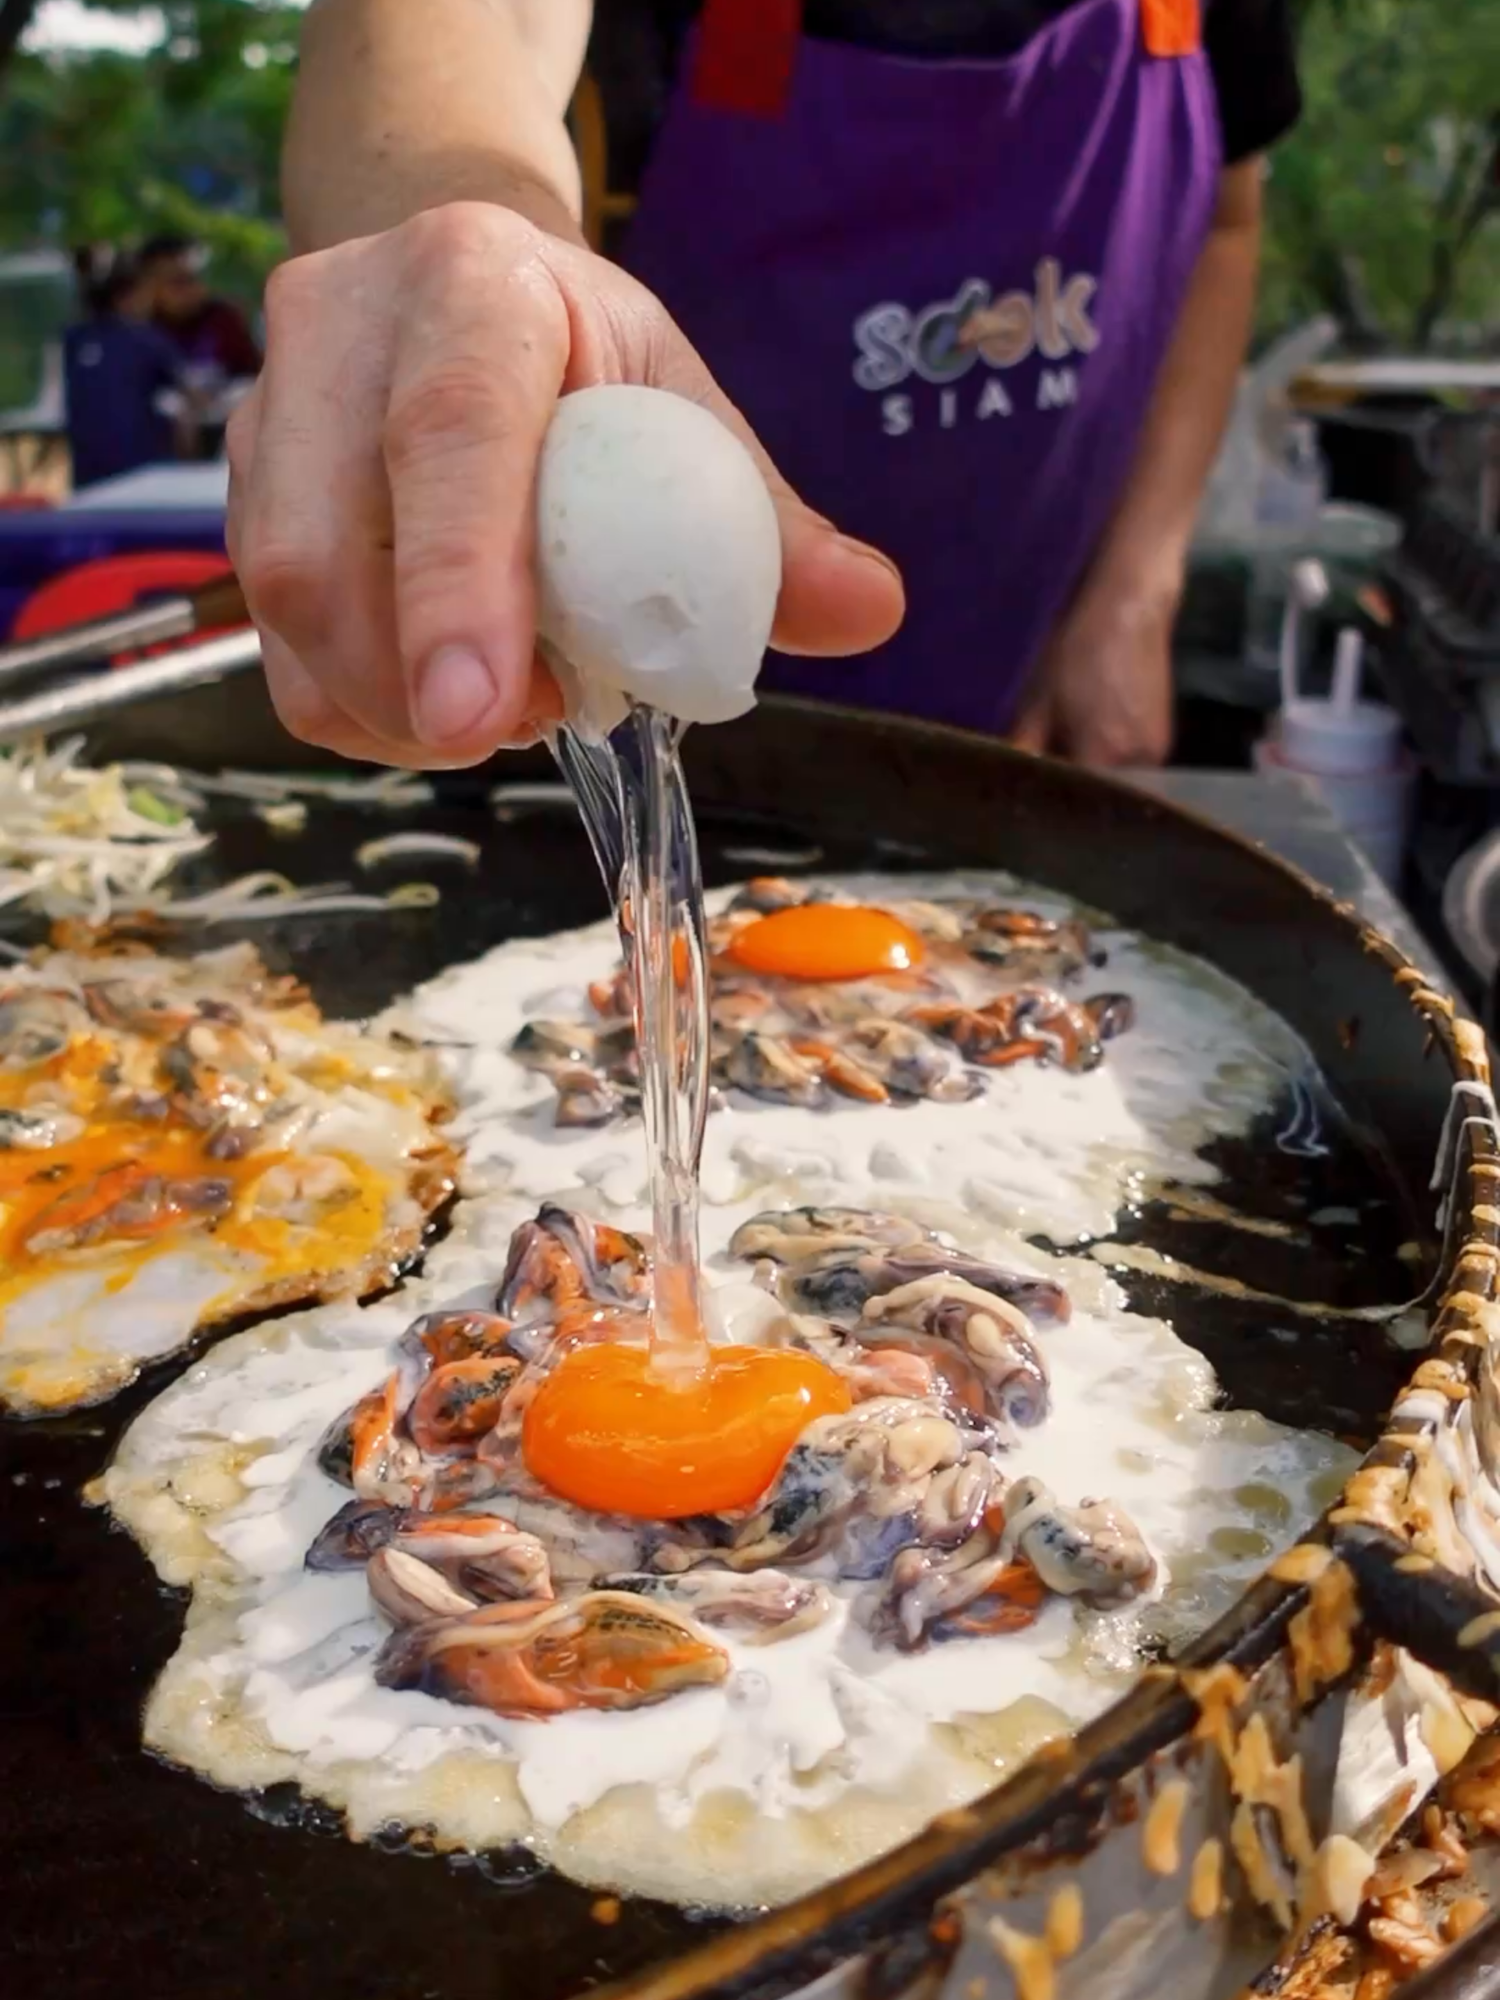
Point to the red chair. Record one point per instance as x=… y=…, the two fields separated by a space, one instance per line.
x=116 y=583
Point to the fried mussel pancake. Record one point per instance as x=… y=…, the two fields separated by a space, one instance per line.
x=184 y=1141
x=996 y=1097
x=1030 y=1489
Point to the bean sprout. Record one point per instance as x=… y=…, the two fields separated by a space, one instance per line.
x=75 y=842
x=394 y=789
x=392 y=846
x=289 y=816
x=510 y=797
x=268 y=895
x=84 y=843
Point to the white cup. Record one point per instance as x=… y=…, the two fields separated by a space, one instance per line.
x=1372 y=807
x=1316 y=736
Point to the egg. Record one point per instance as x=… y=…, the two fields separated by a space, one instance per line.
x=608 y=1433
x=658 y=558
x=827 y=941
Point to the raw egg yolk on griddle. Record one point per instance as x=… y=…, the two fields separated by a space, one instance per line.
x=607 y=1433
x=826 y=941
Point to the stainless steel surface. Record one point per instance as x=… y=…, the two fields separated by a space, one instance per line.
x=78 y=702
x=1471 y=905
x=1286 y=814
x=100 y=639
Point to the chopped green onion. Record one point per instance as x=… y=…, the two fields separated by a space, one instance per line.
x=149 y=806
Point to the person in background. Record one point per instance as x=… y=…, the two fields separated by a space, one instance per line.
x=123 y=380
x=975 y=277
x=211 y=333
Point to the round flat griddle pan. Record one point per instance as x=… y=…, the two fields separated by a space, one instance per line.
x=121 y=1875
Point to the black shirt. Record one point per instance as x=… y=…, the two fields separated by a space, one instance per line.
x=636 y=43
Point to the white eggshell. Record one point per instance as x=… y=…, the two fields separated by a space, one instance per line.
x=658 y=553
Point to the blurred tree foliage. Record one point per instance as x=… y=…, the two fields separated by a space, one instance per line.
x=1385 y=202
x=105 y=147
x=101 y=146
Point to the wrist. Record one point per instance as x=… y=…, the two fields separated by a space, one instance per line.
x=425 y=183
x=1145 y=581
x=515 y=185
x=400 y=109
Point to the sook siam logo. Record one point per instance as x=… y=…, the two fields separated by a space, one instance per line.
x=947 y=341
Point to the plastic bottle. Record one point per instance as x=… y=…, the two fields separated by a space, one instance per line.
x=1291 y=497
x=1351 y=750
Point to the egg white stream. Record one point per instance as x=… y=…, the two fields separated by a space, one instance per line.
x=842 y=1747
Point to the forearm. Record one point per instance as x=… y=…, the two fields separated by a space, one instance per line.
x=1145 y=550
x=403 y=105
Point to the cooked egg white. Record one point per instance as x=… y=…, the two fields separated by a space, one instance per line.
x=818 y=1752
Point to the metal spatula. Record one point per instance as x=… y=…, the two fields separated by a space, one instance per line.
x=75 y=703
x=215 y=604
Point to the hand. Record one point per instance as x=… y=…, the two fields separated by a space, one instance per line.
x=1102 y=692
x=382 y=468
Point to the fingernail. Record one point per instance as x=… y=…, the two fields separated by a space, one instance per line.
x=864 y=553
x=455 y=690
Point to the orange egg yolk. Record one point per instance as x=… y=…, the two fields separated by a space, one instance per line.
x=827 y=941
x=608 y=1434
x=68 y=1185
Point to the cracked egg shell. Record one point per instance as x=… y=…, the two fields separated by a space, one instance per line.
x=658 y=557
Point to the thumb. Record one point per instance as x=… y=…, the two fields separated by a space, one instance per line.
x=1032 y=728
x=838 y=595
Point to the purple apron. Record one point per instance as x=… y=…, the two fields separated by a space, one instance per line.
x=941 y=292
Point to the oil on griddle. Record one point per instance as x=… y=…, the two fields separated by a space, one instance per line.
x=114 y=1864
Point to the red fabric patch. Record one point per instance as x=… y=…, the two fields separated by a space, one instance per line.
x=119 y=583
x=746 y=54
x=1172 y=27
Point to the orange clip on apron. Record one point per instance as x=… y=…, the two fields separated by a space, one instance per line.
x=1172 y=27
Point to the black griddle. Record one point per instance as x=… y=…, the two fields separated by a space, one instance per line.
x=120 y=1875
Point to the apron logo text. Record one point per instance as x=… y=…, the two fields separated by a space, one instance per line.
x=943 y=342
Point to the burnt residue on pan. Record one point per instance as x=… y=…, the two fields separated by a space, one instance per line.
x=117 y=1867
x=1282 y=1273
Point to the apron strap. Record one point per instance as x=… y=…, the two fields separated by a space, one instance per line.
x=1172 y=27
x=747 y=50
